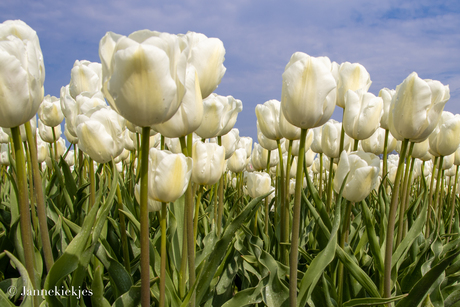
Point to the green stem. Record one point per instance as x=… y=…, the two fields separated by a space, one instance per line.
x=343 y=239
x=355 y=145
x=294 y=256
x=163 y=256
x=197 y=210
x=437 y=205
x=406 y=201
x=54 y=144
x=124 y=238
x=329 y=185
x=284 y=209
x=24 y=210
x=342 y=134
x=220 y=208
x=321 y=176
x=402 y=206
x=452 y=207
x=92 y=184
x=385 y=156
x=430 y=198
x=144 y=220
x=391 y=222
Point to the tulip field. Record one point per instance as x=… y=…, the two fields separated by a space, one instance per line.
x=152 y=198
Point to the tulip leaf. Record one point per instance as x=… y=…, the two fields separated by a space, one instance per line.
x=26 y=282
x=372 y=301
x=372 y=237
x=319 y=264
x=132 y=298
x=4 y=301
x=421 y=288
x=220 y=248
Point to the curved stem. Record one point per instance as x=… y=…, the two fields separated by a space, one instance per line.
x=391 y=222
x=294 y=255
x=144 y=219
x=220 y=208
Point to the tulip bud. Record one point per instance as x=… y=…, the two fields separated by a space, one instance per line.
x=169 y=175
x=207 y=56
x=85 y=76
x=330 y=139
x=444 y=140
x=361 y=116
x=50 y=112
x=100 y=134
x=416 y=108
x=22 y=73
x=237 y=162
x=190 y=113
x=219 y=115
x=246 y=143
x=46 y=132
x=351 y=77
x=309 y=91
x=387 y=96
x=143 y=75
x=208 y=163
x=268 y=115
x=258 y=184
x=362 y=169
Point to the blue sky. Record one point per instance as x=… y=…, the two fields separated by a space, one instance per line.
x=390 y=38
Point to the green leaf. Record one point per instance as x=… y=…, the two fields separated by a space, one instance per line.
x=132 y=298
x=420 y=290
x=319 y=264
x=220 y=248
x=371 y=301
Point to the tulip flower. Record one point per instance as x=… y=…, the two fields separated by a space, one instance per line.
x=22 y=75
x=264 y=141
x=190 y=113
x=85 y=76
x=246 y=143
x=416 y=108
x=288 y=131
x=100 y=134
x=386 y=95
x=444 y=140
x=362 y=169
x=219 y=115
x=330 y=139
x=153 y=204
x=4 y=157
x=259 y=157
x=308 y=93
x=376 y=142
x=229 y=141
x=50 y=112
x=237 y=162
x=258 y=184
x=143 y=75
x=268 y=115
x=169 y=175
x=46 y=132
x=309 y=157
x=316 y=143
x=208 y=163
x=352 y=76
x=361 y=117
x=207 y=56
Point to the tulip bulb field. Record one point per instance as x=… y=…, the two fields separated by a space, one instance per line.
x=148 y=195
